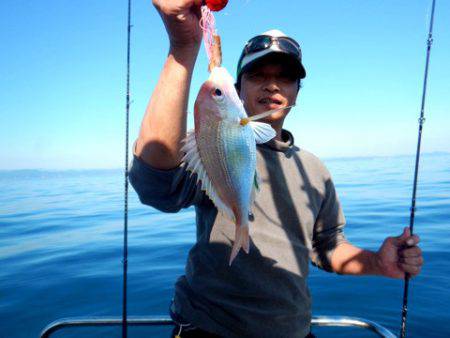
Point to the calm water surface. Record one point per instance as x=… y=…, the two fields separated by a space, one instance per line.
x=61 y=247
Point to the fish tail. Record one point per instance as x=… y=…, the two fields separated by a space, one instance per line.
x=241 y=240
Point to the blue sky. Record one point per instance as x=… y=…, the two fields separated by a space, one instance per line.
x=62 y=75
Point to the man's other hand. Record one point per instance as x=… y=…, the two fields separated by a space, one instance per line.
x=400 y=255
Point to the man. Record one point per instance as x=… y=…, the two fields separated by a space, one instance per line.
x=296 y=216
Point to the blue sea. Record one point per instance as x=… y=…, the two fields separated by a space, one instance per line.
x=61 y=249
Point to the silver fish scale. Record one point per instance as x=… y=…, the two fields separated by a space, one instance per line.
x=240 y=153
x=209 y=149
x=228 y=154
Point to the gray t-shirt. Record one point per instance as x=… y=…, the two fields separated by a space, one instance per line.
x=296 y=216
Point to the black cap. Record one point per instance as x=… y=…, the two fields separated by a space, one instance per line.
x=270 y=44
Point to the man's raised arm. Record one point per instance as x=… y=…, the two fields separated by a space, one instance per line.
x=164 y=124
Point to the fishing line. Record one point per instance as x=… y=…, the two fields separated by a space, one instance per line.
x=416 y=170
x=211 y=39
x=125 y=211
x=208 y=25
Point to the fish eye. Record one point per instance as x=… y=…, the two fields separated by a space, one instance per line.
x=217 y=92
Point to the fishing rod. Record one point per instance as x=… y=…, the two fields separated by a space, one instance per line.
x=213 y=5
x=125 y=211
x=416 y=169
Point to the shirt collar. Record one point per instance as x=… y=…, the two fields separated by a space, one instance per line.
x=286 y=143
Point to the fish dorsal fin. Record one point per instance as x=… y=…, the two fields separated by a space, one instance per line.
x=263 y=132
x=194 y=164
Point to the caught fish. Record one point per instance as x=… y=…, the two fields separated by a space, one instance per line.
x=222 y=152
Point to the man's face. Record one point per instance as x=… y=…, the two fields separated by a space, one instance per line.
x=268 y=86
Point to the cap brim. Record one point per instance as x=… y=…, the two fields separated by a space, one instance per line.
x=274 y=56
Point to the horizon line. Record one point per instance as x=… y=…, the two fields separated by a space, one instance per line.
x=324 y=158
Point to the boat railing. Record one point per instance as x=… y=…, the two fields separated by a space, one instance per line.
x=166 y=321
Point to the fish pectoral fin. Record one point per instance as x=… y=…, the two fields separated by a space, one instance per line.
x=255 y=187
x=241 y=240
x=263 y=131
x=257 y=181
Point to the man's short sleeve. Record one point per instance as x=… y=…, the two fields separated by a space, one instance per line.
x=165 y=190
x=328 y=228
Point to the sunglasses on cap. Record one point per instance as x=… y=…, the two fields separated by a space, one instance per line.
x=262 y=42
